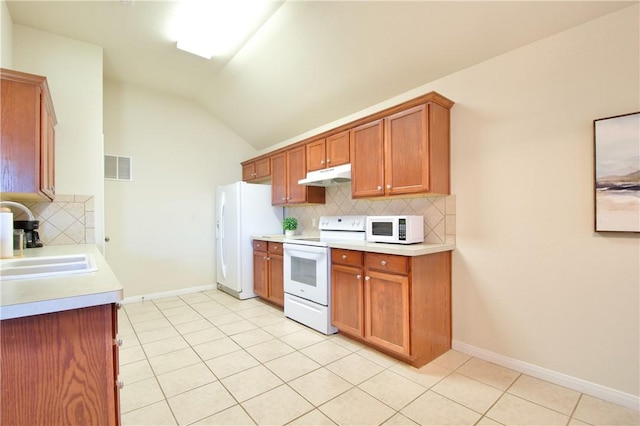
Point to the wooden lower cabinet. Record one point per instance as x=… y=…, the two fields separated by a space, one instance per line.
x=268 y=271
x=386 y=301
x=397 y=304
x=60 y=368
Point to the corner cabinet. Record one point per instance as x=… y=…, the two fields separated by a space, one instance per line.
x=27 y=137
x=400 y=305
x=406 y=152
x=268 y=271
x=287 y=169
x=61 y=368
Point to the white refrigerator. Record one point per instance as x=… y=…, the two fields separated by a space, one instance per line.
x=243 y=210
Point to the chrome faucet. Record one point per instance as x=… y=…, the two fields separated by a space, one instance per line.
x=18 y=206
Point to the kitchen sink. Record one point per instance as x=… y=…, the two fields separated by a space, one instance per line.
x=47 y=266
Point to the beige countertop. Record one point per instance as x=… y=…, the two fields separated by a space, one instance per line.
x=34 y=296
x=399 y=249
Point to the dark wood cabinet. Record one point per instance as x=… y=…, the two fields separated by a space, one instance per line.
x=60 y=368
x=400 y=305
x=268 y=271
x=27 y=137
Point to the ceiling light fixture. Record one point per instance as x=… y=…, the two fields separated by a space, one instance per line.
x=211 y=28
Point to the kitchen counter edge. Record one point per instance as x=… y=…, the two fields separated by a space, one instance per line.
x=27 y=297
x=397 y=249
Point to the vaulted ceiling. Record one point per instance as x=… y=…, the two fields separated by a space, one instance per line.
x=312 y=62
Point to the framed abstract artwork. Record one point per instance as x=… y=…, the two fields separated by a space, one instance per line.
x=617 y=173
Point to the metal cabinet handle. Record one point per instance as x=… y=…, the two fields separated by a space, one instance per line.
x=388 y=186
x=119 y=384
x=383 y=262
x=379 y=188
x=265 y=258
x=367 y=278
x=118 y=342
x=358 y=276
x=344 y=256
x=328 y=160
x=321 y=161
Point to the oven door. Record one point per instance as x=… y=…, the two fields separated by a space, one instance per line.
x=306 y=272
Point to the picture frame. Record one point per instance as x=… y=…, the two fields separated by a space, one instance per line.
x=617 y=173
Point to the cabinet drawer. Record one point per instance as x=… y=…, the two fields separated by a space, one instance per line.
x=386 y=262
x=346 y=257
x=275 y=247
x=259 y=245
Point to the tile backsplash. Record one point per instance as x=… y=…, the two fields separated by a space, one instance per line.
x=67 y=220
x=439 y=212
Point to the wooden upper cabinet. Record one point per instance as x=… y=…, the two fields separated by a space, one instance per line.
x=287 y=169
x=279 y=179
x=367 y=160
x=329 y=152
x=256 y=170
x=402 y=150
x=403 y=153
x=27 y=138
x=406 y=147
x=296 y=170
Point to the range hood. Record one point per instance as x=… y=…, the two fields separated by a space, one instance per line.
x=328 y=177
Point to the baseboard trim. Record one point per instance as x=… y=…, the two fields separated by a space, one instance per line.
x=180 y=292
x=583 y=386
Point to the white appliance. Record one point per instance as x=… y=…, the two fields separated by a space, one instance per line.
x=395 y=229
x=243 y=210
x=307 y=271
x=328 y=177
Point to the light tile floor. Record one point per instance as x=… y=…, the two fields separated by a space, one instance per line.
x=207 y=358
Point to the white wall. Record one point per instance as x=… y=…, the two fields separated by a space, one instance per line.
x=74 y=74
x=161 y=225
x=6 y=30
x=532 y=282
x=531 y=279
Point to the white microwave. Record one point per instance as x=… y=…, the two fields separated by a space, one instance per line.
x=395 y=229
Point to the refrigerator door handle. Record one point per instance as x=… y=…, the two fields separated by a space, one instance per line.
x=222 y=238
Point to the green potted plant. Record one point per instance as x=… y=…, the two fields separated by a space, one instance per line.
x=290 y=224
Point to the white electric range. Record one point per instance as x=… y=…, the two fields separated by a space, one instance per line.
x=307 y=271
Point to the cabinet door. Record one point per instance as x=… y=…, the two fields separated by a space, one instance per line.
x=367 y=160
x=21 y=139
x=316 y=155
x=47 y=151
x=58 y=368
x=387 y=311
x=407 y=152
x=263 y=168
x=279 y=179
x=338 y=149
x=276 y=279
x=248 y=172
x=347 y=312
x=296 y=170
x=260 y=274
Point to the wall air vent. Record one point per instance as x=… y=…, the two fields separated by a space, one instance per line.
x=117 y=168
